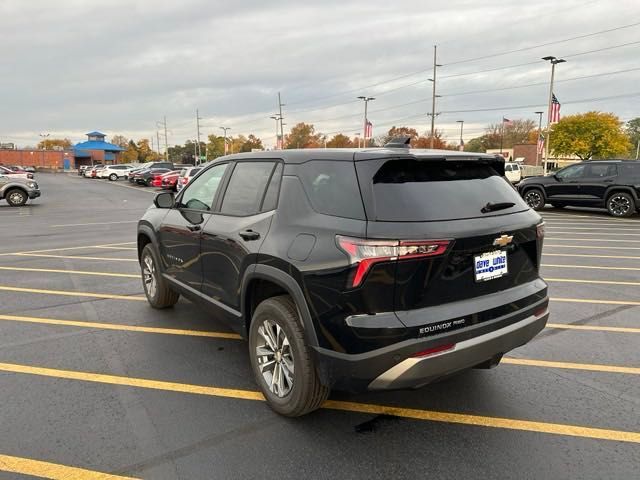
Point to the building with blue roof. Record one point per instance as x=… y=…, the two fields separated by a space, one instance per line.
x=96 y=150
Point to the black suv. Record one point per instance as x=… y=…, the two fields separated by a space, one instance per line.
x=610 y=184
x=352 y=269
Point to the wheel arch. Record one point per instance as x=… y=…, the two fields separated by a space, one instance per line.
x=6 y=191
x=265 y=281
x=620 y=189
x=145 y=236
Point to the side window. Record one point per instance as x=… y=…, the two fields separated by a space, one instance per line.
x=507 y=168
x=199 y=194
x=574 y=171
x=246 y=188
x=270 y=201
x=602 y=170
x=630 y=169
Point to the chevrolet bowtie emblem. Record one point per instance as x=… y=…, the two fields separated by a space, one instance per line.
x=503 y=241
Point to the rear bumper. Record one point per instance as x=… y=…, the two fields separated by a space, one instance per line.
x=506 y=320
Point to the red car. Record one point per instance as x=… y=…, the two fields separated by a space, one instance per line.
x=170 y=179
x=159 y=177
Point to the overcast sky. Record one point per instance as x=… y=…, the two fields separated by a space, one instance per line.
x=119 y=66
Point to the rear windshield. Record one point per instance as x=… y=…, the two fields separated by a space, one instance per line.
x=410 y=190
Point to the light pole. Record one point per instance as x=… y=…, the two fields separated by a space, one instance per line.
x=461 y=122
x=225 y=137
x=358 y=137
x=554 y=61
x=366 y=100
x=276 y=117
x=44 y=146
x=433 y=95
x=539 y=133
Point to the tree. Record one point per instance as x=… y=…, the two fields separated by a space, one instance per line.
x=120 y=140
x=145 y=154
x=425 y=142
x=303 y=135
x=252 y=142
x=130 y=155
x=633 y=131
x=513 y=133
x=588 y=135
x=215 y=146
x=399 y=132
x=340 y=141
x=54 y=144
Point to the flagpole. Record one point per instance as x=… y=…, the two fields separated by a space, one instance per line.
x=539 y=133
x=554 y=61
x=501 y=133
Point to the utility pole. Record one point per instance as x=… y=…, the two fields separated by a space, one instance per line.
x=225 y=138
x=280 y=105
x=198 y=149
x=461 y=122
x=366 y=101
x=166 y=141
x=158 y=139
x=433 y=94
x=539 y=133
x=554 y=61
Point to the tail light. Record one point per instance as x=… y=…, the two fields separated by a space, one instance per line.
x=185 y=180
x=366 y=253
x=540 y=230
x=435 y=350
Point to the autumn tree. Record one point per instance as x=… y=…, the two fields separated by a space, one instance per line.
x=130 y=154
x=632 y=130
x=425 y=141
x=120 y=140
x=513 y=133
x=399 y=132
x=251 y=143
x=589 y=135
x=215 y=146
x=54 y=143
x=303 y=135
x=340 y=141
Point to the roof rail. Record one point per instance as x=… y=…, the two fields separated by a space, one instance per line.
x=403 y=141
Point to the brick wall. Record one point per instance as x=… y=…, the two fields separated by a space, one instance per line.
x=36 y=158
x=528 y=151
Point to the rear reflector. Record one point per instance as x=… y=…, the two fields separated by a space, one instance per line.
x=539 y=312
x=366 y=253
x=540 y=230
x=432 y=351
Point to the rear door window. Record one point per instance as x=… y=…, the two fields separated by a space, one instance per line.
x=415 y=190
x=246 y=188
x=602 y=170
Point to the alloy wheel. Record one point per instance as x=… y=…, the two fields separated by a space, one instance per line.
x=619 y=205
x=275 y=359
x=533 y=199
x=149 y=275
x=16 y=198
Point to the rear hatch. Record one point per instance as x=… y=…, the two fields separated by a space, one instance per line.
x=462 y=231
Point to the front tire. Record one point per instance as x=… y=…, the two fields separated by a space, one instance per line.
x=156 y=288
x=534 y=198
x=282 y=363
x=113 y=177
x=16 y=197
x=620 y=204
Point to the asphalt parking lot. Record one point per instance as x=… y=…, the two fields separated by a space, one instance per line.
x=93 y=381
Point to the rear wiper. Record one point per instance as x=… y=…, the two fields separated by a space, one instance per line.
x=492 y=207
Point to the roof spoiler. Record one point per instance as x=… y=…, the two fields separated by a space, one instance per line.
x=404 y=141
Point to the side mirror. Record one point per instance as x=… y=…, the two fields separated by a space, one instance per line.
x=164 y=200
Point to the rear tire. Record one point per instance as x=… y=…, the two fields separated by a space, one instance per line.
x=620 y=204
x=16 y=197
x=156 y=288
x=113 y=177
x=282 y=363
x=534 y=198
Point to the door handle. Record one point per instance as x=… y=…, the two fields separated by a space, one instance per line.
x=194 y=228
x=249 y=235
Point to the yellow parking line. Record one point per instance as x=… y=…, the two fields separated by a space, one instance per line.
x=72 y=294
x=70 y=248
x=599 y=247
x=115 y=248
x=55 y=471
x=417 y=414
x=125 y=328
x=593 y=282
x=584 y=255
x=75 y=257
x=594 y=301
x=594 y=328
x=76 y=272
x=571 y=366
x=593 y=267
x=604 y=240
x=608 y=230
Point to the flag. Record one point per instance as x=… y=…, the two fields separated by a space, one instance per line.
x=507 y=121
x=554 y=116
x=540 y=144
x=368 y=129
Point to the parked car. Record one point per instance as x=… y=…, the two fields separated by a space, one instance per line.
x=169 y=180
x=114 y=172
x=158 y=177
x=15 y=173
x=81 y=169
x=513 y=172
x=186 y=174
x=96 y=170
x=17 y=190
x=145 y=177
x=23 y=168
x=610 y=184
x=352 y=269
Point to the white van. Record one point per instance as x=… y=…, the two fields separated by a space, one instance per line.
x=513 y=172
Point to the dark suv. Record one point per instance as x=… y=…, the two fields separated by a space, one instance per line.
x=352 y=269
x=610 y=184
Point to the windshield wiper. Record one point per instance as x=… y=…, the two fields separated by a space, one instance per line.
x=492 y=207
